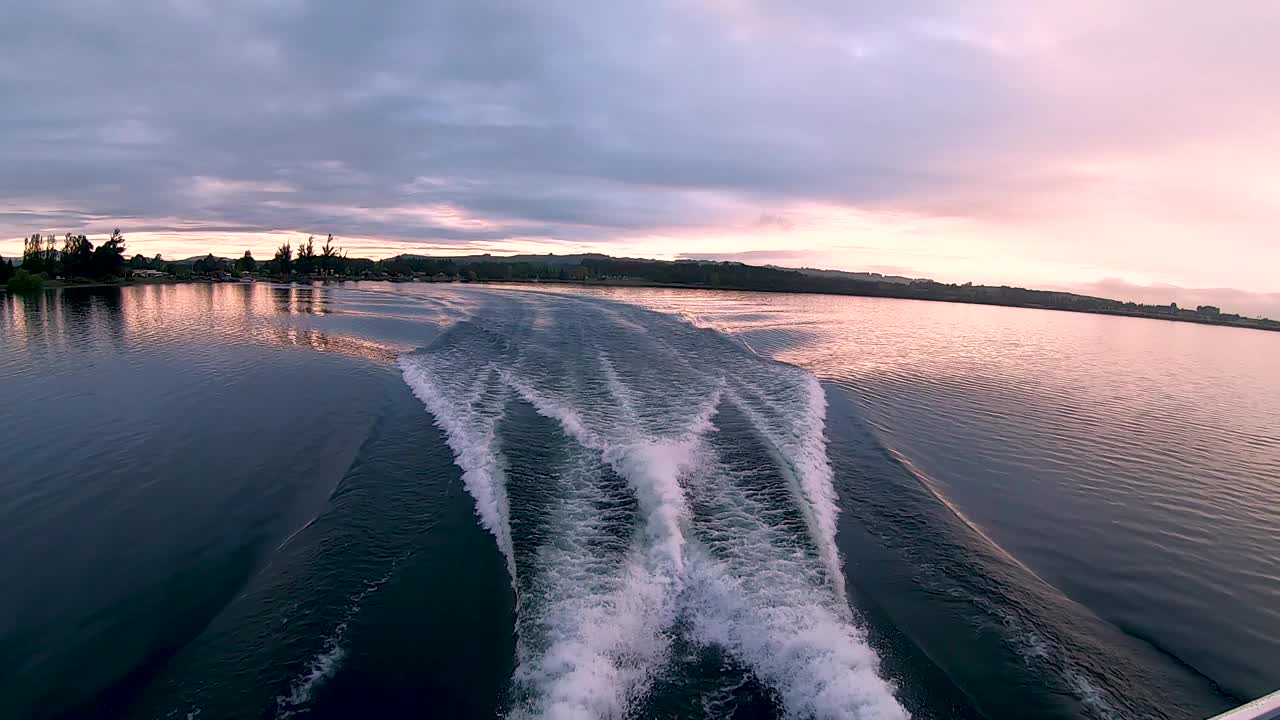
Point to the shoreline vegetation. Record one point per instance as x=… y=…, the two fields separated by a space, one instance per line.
x=79 y=264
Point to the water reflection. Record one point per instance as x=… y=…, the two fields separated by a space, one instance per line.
x=156 y=319
x=57 y=320
x=299 y=300
x=329 y=343
x=27 y=319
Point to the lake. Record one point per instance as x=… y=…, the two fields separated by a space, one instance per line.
x=251 y=500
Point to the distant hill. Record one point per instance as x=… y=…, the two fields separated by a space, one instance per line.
x=553 y=260
x=192 y=260
x=864 y=276
x=598 y=269
x=550 y=259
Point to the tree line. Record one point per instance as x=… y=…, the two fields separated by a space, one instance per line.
x=738 y=276
x=79 y=259
x=327 y=260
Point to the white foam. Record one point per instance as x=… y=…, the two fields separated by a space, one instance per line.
x=817 y=661
x=472 y=437
x=1036 y=648
x=799 y=445
x=595 y=629
x=617 y=390
x=807 y=453
x=604 y=649
x=327 y=662
x=652 y=466
x=319 y=669
x=777 y=608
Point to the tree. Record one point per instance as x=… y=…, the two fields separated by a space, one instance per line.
x=139 y=262
x=205 y=265
x=283 y=259
x=6 y=271
x=329 y=256
x=246 y=263
x=50 y=253
x=33 y=254
x=306 y=263
x=108 y=259
x=24 y=282
x=77 y=256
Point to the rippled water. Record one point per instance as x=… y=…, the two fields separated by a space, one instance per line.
x=384 y=500
x=1132 y=464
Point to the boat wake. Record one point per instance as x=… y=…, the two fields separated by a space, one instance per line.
x=649 y=488
x=320 y=668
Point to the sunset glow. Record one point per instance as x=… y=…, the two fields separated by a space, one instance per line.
x=1079 y=146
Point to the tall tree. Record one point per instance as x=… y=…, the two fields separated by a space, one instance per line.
x=77 y=256
x=329 y=256
x=50 y=253
x=284 y=259
x=246 y=263
x=33 y=254
x=108 y=258
x=6 y=271
x=306 y=263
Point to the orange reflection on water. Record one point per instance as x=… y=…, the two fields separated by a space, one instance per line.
x=151 y=318
x=329 y=343
x=29 y=318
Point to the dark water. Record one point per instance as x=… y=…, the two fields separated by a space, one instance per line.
x=445 y=501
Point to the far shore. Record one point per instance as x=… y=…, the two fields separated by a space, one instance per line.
x=638 y=283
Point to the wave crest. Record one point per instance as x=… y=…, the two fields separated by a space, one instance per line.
x=713 y=546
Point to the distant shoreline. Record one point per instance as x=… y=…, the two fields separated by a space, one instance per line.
x=619 y=283
x=955 y=301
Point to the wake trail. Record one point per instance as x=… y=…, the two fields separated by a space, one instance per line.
x=470 y=428
x=325 y=664
x=797 y=439
x=766 y=580
x=688 y=492
x=605 y=650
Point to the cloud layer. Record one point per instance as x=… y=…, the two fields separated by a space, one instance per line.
x=988 y=140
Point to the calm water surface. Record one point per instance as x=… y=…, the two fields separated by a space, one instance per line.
x=257 y=501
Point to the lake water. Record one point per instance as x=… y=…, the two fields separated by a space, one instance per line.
x=441 y=500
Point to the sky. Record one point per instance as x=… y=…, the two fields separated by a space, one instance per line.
x=1130 y=147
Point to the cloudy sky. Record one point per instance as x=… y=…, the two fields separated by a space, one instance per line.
x=1075 y=143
